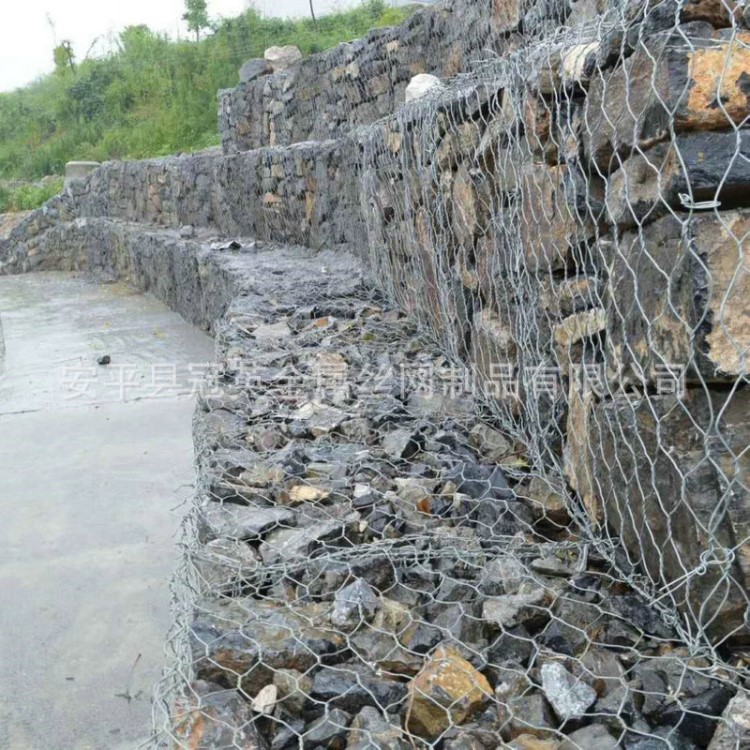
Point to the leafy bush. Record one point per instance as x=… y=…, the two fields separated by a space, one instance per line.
x=26 y=197
x=151 y=95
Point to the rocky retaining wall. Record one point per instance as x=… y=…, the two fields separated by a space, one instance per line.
x=539 y=215
x=306 y=194
x=327 y=94
x=577 y=211
x=572 y=224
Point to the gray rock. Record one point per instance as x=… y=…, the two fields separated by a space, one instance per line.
x=370 y=730
x=295 y=544
x=697 y=717
x=491 y=443
x=354 y=604
x=733 y=732
x=514 y=644
x=500 y=517
x=570 y=697
x=253 y=69
x=231 y=521
x=294 y=689
x=384 y=651
x=288 y=734
x=502 y=575
x=281 y=58
x=529 y=714
x=661 y=738
x=353 y=686
x=479 y=481
x=187 y=231
x=328 y=731
x=254 y=639
x=594 y=737
x=402 y=443
x=524 y=608
x=226 y=562
x=420 y=85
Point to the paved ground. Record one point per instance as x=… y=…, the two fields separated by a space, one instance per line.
x=90 y=489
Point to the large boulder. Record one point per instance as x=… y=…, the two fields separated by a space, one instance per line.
x=281 y=58
x=421 y=85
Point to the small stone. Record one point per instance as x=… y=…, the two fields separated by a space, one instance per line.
x=187 y=232
x=305 y=493
x=530 y=742
x=400 y=444
x=420 y=85
x=294 y=689
x=524 y=608
x=210 y=717
x=353 y=686
x=569 y=697
x=230 y=521
x=371 y=731
x=282 y=58
x=491 y=443
x=104 y=360
x=354 y=604
x=594 y=737
x=448 y=691
x=253 y=69
x=733 y=732
x=328 y=731
x=265 y=701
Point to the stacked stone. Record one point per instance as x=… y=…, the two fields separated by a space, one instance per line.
x=304 y=194
x=377 y=569
x=330 y=93
x=582 y=206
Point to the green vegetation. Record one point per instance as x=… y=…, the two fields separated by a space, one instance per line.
x=24 y=197
x=152 y=96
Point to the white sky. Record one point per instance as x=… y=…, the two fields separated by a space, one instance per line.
x=26 y=39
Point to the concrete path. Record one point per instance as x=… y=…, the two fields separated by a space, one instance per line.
x=94 y=465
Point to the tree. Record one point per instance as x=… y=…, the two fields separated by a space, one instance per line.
x=196 y=15
x=64 y=57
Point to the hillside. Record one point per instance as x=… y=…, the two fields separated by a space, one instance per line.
x=151 y=95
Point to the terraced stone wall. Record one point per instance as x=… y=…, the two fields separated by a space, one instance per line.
x=572 y=222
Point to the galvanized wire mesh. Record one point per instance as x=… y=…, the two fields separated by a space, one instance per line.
x=514 y=513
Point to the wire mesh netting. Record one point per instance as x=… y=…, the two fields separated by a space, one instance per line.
x=506 y=503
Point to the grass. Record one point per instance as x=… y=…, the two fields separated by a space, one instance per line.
x=151 y=95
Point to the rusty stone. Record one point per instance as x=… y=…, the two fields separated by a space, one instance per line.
x=694 y=85
x=448 y=691
x=678 y=295
x=210 y=717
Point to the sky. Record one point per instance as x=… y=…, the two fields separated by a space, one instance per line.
x=27 y=39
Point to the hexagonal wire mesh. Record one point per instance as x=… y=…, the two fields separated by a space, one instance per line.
x=516 y=512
